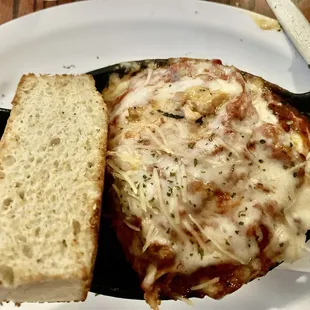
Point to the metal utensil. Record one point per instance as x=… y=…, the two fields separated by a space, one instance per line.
x=295 y=25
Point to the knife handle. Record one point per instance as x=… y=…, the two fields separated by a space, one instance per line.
x=294 y=24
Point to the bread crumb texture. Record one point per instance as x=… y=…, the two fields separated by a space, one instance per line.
x=51 y=180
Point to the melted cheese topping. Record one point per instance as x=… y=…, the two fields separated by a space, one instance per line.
x=200 y=158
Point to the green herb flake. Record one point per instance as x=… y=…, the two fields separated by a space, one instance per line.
x=172 y=215
x=172 y=174
x=262 y=141
x=195 y=162
x=201 y=252
x=226 y=242
x=199 y=121
x=241 y=223
x=237 y=232
x=166 y=114
x=191 y=145
x=242 y=212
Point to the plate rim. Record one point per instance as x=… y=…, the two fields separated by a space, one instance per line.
x=54 y=10
x=86 y=3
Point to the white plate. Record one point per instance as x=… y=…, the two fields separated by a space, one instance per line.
x=93 y=34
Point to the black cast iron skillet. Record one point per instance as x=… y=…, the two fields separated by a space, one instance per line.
x=113 y=275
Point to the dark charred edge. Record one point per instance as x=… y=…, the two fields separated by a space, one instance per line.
x=126 y=67
x=296 y=100
x=102 y=75
x=199 y=294
x=299 y=101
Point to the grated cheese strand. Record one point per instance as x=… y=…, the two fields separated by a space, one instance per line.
x=160 y=144
x=124 y=175
x=218 y=246
x=194 y=233
x=203 y=285
x=131 y=226
x=162 y=204
x=149 y=76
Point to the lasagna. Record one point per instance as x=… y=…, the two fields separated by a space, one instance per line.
x=209 y=176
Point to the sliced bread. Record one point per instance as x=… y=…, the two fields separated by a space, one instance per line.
x=52 y=162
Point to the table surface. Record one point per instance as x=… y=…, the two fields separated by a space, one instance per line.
x=10 y=9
